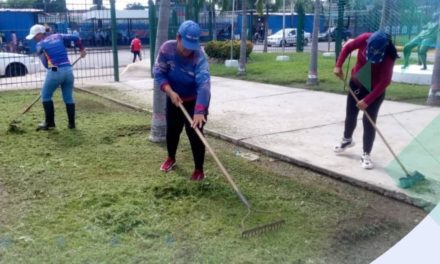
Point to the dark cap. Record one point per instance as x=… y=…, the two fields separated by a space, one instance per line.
x=190 y=33
x=376 y=46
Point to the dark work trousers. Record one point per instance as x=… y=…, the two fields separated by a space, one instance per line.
x=137 y=53
x=352 y=113
x=175 y=122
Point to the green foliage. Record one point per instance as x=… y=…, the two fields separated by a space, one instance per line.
x=135 y=6
x=19 y=3
x=299 y=7
x=222 y=49
x=51 y=5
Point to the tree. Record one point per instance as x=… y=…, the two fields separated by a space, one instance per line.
x=434 y=92
x=300 y=28
x=260 y=5
x=193 y=9
x=51 y=6
x=313 y=69
x=243 y=44
x=340 y=26
x=19 y=3
x=158 y=126
x=135 y=6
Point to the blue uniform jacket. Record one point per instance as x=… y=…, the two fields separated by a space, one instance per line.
x=188 y=77
x=52 y=51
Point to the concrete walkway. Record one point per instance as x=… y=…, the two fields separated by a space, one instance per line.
x=302 y=126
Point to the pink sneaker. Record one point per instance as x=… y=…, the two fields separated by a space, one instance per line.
x=197 y=175
x=168 y=164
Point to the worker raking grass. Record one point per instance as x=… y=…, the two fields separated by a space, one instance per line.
x=53 y=55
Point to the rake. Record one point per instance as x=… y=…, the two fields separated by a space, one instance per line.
x=245 y=233
x=410 y=179
x=13 y=125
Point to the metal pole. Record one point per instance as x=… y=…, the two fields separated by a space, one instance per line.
x=329 y=24
x=232 y=28
x=114 y=39
x=284 y=25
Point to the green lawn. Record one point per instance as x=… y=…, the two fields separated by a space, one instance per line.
x=263 y=67
x=96 y=195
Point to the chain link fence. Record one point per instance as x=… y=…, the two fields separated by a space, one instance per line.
x=21 y=68
x=91 y=20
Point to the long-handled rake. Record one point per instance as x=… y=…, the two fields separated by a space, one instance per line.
x=13 y=125
x=248 y=232
x=410 y=179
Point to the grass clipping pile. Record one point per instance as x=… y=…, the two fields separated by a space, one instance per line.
x=96 y=192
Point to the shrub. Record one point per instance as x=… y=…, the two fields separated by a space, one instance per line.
x=222 y=49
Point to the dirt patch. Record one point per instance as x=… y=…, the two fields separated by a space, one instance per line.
x=128 y=131
x=382 y=223
x=364 y=238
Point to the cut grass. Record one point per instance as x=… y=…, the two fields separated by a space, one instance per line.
x=263 y=67
x=96 y=195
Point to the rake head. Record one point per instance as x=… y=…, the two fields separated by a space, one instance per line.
x=411 y=180
x=15 y=128
x=262 y=229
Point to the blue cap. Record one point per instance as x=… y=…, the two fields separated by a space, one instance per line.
x=190 y=33
x=376 y=46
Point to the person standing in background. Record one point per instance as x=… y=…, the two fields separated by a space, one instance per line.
x=14 y=41
x=135 y=48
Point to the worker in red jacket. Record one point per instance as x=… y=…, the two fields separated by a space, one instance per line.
x=370 y=77
x=135 y=47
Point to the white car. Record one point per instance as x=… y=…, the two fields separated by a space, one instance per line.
x=289 y=38
x=15 y=64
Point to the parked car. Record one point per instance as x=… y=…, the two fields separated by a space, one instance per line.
x=330 y=34
x=14 y=64
x=289 y=38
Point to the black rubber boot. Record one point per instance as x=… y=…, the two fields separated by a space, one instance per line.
x=49 y=113
x=70 y=108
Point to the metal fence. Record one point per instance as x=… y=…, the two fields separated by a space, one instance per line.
x=21 y=68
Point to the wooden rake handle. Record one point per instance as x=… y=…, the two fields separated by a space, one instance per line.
x=73 y=64
x=30 y=106
x=222 y=168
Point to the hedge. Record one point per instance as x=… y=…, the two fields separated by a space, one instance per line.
x=222 y=49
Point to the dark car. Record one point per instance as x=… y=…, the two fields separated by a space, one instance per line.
x=330 y=34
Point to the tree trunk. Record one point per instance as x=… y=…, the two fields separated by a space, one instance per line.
x=434 y=92
x=266 y=25
x=158 y=123
x=385 y=19
x=242 y=60
x=313 y=69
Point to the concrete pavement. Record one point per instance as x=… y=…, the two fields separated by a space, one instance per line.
x=302 y=126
